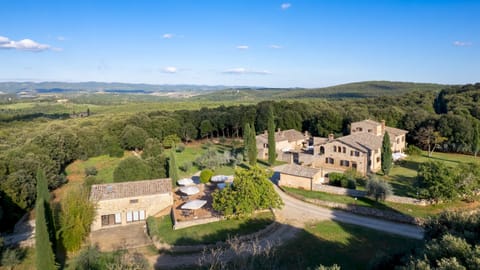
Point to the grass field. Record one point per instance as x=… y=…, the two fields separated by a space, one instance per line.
x=349 y=246
x=209 y=233
x=104 y=164
x=402 y=175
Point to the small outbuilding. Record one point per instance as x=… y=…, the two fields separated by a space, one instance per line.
x=296 y=176
x=129 y=202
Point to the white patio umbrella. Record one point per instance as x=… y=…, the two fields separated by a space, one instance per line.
x=185 y=182
x=190 y=190
x=219 y=178
x=194 y=204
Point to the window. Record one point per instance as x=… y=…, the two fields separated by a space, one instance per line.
x=133 y=216
x=134 y=201
x=403 y=138
x=111 y=219
x=398 y=141
x=345 y=163
x=378 y=159
x=357 y=154
x=370 y=131
x=330 y=160
x=344 y=150
x=334 y=148
x=354 y=166
x=359 y=129
x=351 y=152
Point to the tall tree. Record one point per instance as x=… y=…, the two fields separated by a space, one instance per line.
x=429 y=137
x=246 y=138
x=76 y=217
x=252 y=147
x=386 y=154
x=43 y=246
x=476 y=139
x=172 y=167
x=272 y=154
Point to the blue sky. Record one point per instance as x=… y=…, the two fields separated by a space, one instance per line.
x=257 y=43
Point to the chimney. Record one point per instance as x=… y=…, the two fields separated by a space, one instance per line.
x=383 y=126
x=330 y=137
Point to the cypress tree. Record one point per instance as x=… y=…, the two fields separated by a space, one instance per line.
x=476 y=139
x=386 y=154
x=252 y=147
x=272 y=154
x=172 y=167
x=246 y=138
x=45 y=259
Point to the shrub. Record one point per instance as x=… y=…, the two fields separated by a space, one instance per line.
x=351 y=184
x=378 y=189
x=335 y=179
x=91 y=171
x=91 y=180
x=206 y=175
x=180 y=148
x=186 y=166
x=412 y=150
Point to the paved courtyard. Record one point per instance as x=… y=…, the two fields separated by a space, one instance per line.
x=129 y=236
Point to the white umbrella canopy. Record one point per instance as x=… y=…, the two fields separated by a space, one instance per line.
x=193 y=205
x=190 y=190
x=219 y=178
x=185 y=182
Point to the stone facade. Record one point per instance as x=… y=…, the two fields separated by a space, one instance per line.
x=285 y=140
x=129 y=202
x=296 y=176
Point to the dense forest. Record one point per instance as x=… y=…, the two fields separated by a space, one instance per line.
x=449 y=119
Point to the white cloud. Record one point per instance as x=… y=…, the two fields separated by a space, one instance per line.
x=242 y=47
x=169 y=70
x=241 y=71
x=168 y=36
x=273 y=46
x=23 y=45
x=462 y=43
x=285 y=6
x=60 y=38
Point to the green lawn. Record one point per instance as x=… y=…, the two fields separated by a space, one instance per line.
x=403 y=174
x=105 y=166
x=349 y=246
x=407 y=209
x=208 y=233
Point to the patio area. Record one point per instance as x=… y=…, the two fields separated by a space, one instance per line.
x=204 y=212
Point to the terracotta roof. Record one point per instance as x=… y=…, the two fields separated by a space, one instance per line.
x=297 y=170
x=368 y=121
x=319 y=140
x=130 y=189
x=283 y=135
x=395 y=131
x=362 y=141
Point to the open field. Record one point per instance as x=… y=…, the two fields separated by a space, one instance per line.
x=349 y=246
x=208 y=233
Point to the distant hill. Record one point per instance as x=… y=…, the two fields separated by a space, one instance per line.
x=219 y=92
x=131 y=88
x=350 y=90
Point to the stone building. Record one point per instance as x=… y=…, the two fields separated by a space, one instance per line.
x=285 y=141
x=296 y=176
x=129 y=202
x=361 y=150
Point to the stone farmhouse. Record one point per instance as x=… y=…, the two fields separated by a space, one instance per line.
x=297 y=176
x=285 y=141
x=360 y=151
x=126 y=203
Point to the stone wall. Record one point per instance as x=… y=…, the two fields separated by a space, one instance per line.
x=361 y=193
